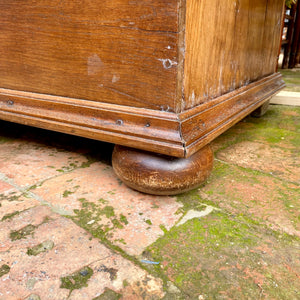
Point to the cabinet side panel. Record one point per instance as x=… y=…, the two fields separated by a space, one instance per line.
x=122 y=51
x=229 y=44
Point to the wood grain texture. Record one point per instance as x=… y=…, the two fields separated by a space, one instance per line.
x=229 y=44
x=122 y=52
x=157 y=75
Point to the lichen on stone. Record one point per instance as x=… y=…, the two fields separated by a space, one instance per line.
x=76 y=280
x=22 y=233
x=4 y=269
x=43 y=247
x=108 y=295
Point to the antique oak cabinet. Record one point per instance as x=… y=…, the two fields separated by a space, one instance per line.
x=159 y=78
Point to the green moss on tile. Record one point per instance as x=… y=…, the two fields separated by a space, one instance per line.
x=122 y=241
x=22 y=233
x=123 y=219
x=279 y=126
x=91 y=211
x=108 y=211
x=96 y=211
x=10 y=197
x=223 y=256
x=291 y=79
x=103 y=201
x=88 y=163
x=108 y=295
x=193 y=200
x=117 y=224
x=10 y=216
x=76 y=280
x=148 y=221
x=67 y=193
x=4 y=269
x=43 y=247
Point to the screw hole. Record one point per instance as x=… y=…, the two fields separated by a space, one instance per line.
x=119 y=122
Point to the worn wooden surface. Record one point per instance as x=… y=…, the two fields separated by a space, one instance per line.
x=163 y=76
x=229 y=44
x=121 y=51
x=159 y=174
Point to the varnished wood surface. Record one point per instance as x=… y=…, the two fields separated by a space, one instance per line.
x=168 y=133
x=161 y=175
x=229 y=44
x=121 y=51
x=163 y=76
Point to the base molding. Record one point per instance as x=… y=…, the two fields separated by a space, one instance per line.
x=204 y=123
x=179 y=135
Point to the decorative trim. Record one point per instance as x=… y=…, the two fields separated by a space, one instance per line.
x=145 y=129
x=172 y=134
x=205 y=122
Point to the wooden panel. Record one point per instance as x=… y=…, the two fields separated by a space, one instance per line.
x=228 y=44
x=120 y=51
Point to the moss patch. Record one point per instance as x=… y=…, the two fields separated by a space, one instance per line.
x=4 y=270
x=280 y=126
x=222 y=256
x=108 y=211
x=67 y=193
x=91 y=215
x=148 y=221
x=76 y=280
x=10 y=216
x=13 y=196
x=109 y=295
x=253 y=193
x=43 y=247
x=22 y=233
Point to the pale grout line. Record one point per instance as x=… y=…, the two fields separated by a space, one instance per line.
x=4 y=178
x=26 y=190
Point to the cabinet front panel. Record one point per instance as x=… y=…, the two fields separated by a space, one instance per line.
x=122 y=51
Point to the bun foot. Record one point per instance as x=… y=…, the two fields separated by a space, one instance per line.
x=157 y=174
x=259 y=112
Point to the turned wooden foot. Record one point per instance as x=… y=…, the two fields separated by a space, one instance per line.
x=259 y=112
x=159 y=174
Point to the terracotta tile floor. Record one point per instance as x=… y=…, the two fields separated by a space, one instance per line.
x=69 y=229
